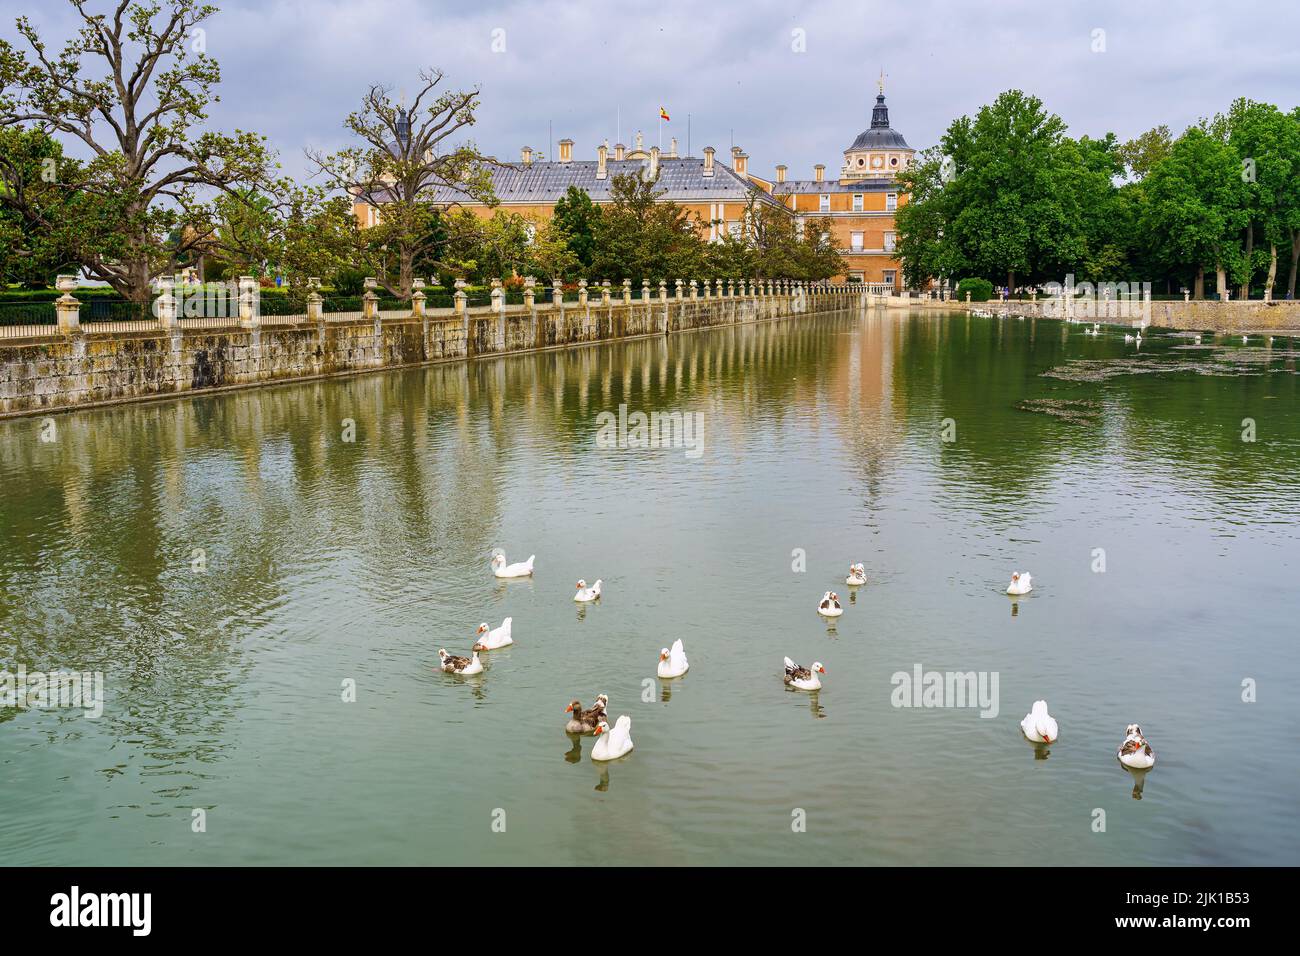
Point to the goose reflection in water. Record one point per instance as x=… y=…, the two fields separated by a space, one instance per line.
x=574 y=753
x=814 y=701
x=1139 y=780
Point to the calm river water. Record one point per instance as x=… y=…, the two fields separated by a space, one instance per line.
x=232 y=566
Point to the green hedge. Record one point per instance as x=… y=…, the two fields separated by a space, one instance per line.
x=981 y=290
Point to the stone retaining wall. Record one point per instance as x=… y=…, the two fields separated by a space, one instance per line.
x=84 y=368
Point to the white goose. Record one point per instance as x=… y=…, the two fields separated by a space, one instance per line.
x=465 y=666
x=1135 y=753
x=490 y=640
x=1021 y=583
x=803 y=678
x=1038 y=725
x=829 y=605
x=587 y=593
x=857 y=576
x=673 y=663
x=520 y=570
x=612 y=744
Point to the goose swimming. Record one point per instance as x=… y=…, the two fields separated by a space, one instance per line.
x=1021 y=583
x=857 y=576
x=490 y=640
x=1038 y=725
x=673 y=663
x=1135 y=753
x=829 y=606
x=804 y=678
x=587 y=593
x=582 y=721
x=460 y=665
x=502 y=570
x=612 y=744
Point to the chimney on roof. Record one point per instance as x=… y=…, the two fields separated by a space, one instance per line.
x=652 y=172
x=566 y=150
x=618 y=151
x=708 y=160
x=740 y=162
x=602 y=157
x=819 y=172
x=526 y=155
x=780 y=173
x=672 y=149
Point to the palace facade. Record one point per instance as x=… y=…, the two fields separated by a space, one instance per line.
x=860 y=203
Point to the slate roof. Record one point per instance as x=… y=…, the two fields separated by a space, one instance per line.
x=834 y=186
x=681 y=179
x=881 y=135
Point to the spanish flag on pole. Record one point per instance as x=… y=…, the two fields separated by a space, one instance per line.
x=663 y=113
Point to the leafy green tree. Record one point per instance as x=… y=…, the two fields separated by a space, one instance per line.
x=31 y=251
x=1267 y=144
x=151 y=166
x=405 y=154
x=1195 y=207
x=1141 y=154
x=576 y=217
x=640 y=236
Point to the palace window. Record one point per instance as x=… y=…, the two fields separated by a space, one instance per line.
x=531 y=229
x=889 y=242
x=733 y=229
x=891 y=202
x=824 y=204
x=855 y=241
x=890 y=275
x=857 y=202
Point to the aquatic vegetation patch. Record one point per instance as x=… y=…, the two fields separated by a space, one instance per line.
x=1077 y=411
x=1220 y=362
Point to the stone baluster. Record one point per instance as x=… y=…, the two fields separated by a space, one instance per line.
x=68 y=308
x=604 y=293
x=315 y=306
x=498 y=296
x=678 y=296
x=663 y=291
x=165 y=307
x=557 y=292
x=645 y=290
x=530 y=292
x=250 y=302
x=627 y=291
x=460 y=298
x=417 y=298
x=695 y=292
x=582 y=293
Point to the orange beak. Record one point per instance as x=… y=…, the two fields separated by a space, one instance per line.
x=599 y=731
x=569 y=709
x=663 y=657
x=821 y=670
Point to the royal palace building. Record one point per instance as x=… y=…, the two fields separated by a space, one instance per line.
x=860 y=203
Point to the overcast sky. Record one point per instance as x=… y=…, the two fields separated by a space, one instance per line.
x=292 y=69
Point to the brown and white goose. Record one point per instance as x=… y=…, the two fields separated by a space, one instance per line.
x=460 y=665
x=584 y=721
x=804 y=678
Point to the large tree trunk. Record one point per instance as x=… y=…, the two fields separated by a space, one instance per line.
x=1011 y=282
x=1221 y=280
x=1198 y=289
x=1295 y=263
x=1272 y=270
x=1250 y=249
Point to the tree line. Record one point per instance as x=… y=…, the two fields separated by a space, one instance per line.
x=1008 y=196
x=152 y=190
